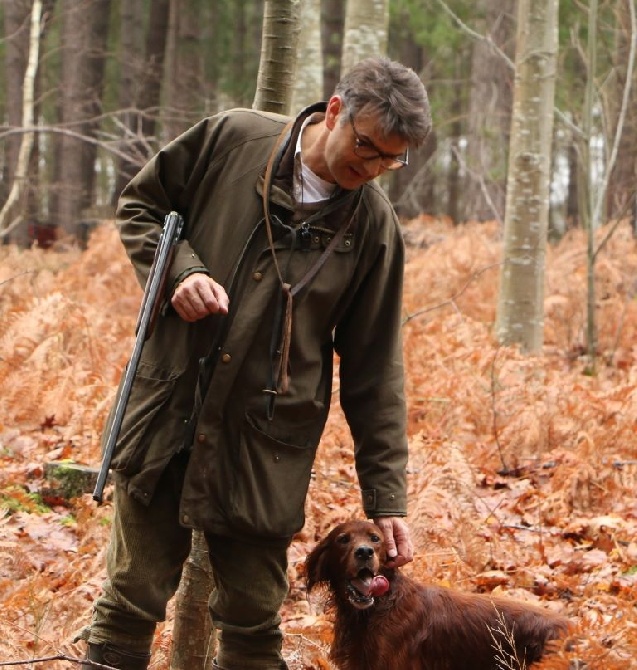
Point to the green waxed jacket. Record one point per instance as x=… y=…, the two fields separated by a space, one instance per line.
x=249 y=472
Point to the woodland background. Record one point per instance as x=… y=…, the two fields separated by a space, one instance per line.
x=116 y=79
x=523 y=469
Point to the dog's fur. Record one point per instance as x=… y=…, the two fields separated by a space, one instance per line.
x=413 y=626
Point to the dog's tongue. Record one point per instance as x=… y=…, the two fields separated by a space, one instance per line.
x=379 y=586
x=371 y=586
x=363 y=585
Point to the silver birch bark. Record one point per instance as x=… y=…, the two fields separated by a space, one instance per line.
x=520 y=317
x=277 y=66
x=10 y=215
x=365 y=31
x=308 y=85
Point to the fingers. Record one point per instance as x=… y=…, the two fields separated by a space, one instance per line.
x=397 y=540
x=198 y=296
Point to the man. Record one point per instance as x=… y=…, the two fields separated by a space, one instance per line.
x=290 y=253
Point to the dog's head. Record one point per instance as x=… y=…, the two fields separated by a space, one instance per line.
x=349 y=561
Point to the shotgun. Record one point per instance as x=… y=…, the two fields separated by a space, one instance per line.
x=149 y=310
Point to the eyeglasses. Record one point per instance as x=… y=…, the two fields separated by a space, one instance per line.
x=366 y=150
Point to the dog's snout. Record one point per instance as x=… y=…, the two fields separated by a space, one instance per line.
x=364 y=552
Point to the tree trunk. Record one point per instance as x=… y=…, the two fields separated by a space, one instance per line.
x=140 y=91
x=621 y=190
x=184 y=85
x=489 y=118
x=95 y=64
x=153 y=76
x=12 y=212
x=131 y=54
x=332 y=21
x=521 y=297
x=16 y=33
x=308 y=86
x=277 y=66
x=193 y=636
x=365 y=31
x=84 y=33
x=411 y=190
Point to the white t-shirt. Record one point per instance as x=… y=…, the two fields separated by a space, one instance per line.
x=308 y=186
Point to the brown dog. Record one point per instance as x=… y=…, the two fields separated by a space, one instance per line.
x=387 y=621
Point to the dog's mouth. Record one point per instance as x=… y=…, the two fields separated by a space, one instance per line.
x=362 y=589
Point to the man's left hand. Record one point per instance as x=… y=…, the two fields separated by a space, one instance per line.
x=397 y=540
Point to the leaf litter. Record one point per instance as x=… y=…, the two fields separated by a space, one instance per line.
x=522 y=470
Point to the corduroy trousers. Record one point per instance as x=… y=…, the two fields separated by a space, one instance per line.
x=145 y=557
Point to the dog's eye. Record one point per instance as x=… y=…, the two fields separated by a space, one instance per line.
x=343 y=539
x=374 y=538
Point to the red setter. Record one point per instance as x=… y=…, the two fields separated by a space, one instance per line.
x=387 y=621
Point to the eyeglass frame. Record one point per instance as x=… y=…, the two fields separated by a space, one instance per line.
x=396 y=161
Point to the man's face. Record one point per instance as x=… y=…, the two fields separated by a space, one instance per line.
x=356 y=152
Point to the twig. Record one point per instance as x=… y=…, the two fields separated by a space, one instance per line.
x=26 y=272
x=452 y=299
x=477 y=36
x=59 y=657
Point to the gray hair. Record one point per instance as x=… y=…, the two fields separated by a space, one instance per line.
x=391 y=92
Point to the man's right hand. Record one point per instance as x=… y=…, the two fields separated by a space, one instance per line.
x=197 y=296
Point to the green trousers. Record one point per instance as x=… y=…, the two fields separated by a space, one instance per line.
x=145 y=557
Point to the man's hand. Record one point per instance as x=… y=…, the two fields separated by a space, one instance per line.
x=397 y=540
x=197 y=296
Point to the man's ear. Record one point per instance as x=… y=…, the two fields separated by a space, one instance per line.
x=335 y=108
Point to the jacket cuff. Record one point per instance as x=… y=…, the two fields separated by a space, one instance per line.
x=186 y=273
x=384 y=503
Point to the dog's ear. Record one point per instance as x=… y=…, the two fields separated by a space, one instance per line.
x=316 y=565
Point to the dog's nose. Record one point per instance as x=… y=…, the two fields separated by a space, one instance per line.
x=363 y=552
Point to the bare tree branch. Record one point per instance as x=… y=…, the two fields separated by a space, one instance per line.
x=482 y=38
x=86 y=138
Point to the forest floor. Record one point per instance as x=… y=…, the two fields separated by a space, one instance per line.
x=522 y=472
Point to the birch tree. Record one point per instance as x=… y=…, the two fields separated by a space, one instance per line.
x=280 y=36
x=365 y=31
x=11 y=215
x=520 y=302
x=308 y=84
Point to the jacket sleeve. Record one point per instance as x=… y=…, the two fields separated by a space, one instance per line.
x=164 y=184
x=368 y=341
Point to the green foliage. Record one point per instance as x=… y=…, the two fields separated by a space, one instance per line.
x=16 y=499
x=447 y=49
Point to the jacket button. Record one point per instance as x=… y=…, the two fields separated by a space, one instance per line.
x=257 y=276
x=186 y=519
x=392 y=496
x=201 y=438
x=226 y=358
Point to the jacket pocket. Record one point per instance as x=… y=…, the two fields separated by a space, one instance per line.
x=150 y=392
x=271 y=480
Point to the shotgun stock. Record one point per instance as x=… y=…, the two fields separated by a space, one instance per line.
x=149 y=310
